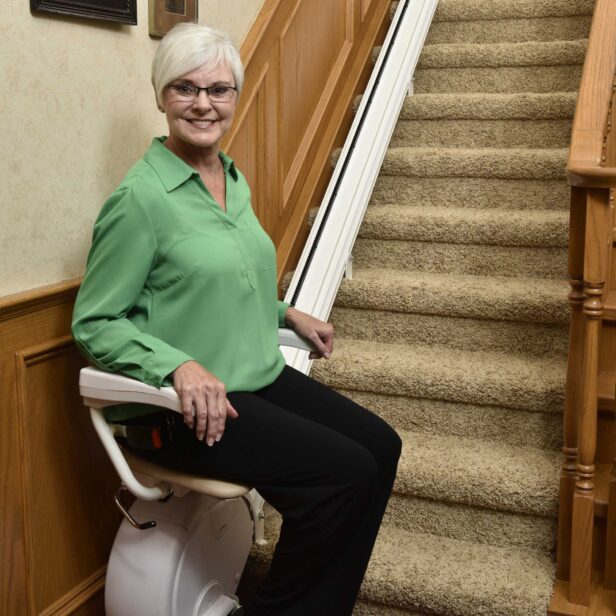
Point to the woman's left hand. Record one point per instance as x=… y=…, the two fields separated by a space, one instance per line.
x=320 y=333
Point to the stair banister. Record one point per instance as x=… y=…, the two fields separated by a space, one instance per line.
x=323 y=260
x=591 y=175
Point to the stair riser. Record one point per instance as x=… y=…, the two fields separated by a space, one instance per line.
x=499 y=9
x=482 y=133
x=462 y=226
x=474 y=524
x=457 y=333
x=472 y=192
x=480 y=163
x=509 y=426
x=528 y=55
x=509 y=30
x=494 y=391
x=507 y=79
x=461 y=258
x=477 y=305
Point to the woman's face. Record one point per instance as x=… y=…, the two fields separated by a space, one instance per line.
x=200 y=123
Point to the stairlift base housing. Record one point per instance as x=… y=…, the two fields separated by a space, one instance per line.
x=189 y=565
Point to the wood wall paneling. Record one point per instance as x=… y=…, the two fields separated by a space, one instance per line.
x=314 y=48
x=56 y=508
x=365 y=7
x=68 y=482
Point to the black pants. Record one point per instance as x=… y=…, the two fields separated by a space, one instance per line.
x=326 y=464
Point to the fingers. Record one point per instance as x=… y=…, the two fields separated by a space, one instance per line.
x=201 y=391
x=231 y=412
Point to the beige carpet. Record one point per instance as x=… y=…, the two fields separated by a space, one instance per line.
x=454 y=326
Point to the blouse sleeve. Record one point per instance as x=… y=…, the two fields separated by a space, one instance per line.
x=124 y=249
x=282 y=311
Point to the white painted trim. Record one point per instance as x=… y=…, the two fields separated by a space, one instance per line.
x=327 y=267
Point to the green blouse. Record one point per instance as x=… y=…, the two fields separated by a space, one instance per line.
x=171 y=277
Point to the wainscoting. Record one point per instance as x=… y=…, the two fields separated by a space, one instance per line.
x=56 y=487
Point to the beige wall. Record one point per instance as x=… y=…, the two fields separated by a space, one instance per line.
x=76 y=110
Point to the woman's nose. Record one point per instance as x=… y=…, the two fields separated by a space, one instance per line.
x=202 y=100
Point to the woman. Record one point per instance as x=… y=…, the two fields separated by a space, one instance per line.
x=180 y=289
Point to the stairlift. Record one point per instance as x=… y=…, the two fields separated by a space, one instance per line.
x=186 y=556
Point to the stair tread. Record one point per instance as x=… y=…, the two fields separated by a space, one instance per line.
x=480 y=473
x=483 y=297
x=492 y=226
x=527 y=163
x=450 y=10
x=518 y=106
x=411 y=570
x=457 y=577
x=441 y=373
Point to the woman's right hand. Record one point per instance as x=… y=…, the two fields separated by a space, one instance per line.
x=201 y=390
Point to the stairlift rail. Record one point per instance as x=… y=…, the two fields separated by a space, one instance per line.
x=325 y=256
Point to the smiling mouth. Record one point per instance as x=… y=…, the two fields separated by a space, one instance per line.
x=200 y=123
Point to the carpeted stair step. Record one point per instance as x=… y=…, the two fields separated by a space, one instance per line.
x=490 y=120
x=479 y=297
x=548 y=78
x=497 y=227
x=459 y=240
x=474 y=377
x=511 y=426
x=514 y=261
x=438 y=575
x=478 y=163
x=510 y=30
x=464 y=10
x=479 y=473
x=482 y=133
x=472 y=523
x=498 y=55
x=471 y=192
x=415 y=573
x=464 y=334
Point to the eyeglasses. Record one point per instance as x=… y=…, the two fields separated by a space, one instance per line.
x=218 y=94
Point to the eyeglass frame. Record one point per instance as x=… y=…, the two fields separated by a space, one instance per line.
x=196 y=90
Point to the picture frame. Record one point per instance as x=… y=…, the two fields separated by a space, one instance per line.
x=121 y=11
x=164 y=14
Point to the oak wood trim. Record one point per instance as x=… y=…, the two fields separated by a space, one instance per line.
x=23 y=360
x=78 y=596
x=591 y=177
x=595 y=94
x=25 y=302
x=332 y=136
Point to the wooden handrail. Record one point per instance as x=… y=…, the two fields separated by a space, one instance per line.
x=591 y=177
x=595 y=94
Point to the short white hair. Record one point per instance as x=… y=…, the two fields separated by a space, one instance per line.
x=189 y=46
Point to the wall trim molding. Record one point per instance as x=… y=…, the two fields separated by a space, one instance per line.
x=79 y=595
x=39 y=298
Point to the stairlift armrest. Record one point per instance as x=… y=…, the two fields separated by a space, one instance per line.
x=100 y=389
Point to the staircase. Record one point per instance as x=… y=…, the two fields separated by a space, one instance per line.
x=454 y=325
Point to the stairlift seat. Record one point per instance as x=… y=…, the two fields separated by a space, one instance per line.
x=211 y=487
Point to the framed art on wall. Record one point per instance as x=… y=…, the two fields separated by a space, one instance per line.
x=123 y=11
x=164 y=14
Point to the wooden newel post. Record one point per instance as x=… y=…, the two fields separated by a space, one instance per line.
x=568 y=475
x=595 y=266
